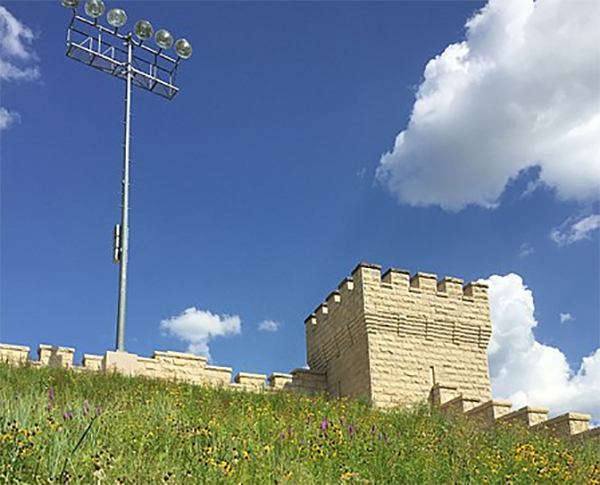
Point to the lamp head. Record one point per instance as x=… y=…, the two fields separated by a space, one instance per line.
x=183 y=48
x=164 y=39
x=94 y=8
x=143 y=30
x=70 y=3
x=116 y=17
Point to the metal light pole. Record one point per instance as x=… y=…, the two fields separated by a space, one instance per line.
x=151 y=69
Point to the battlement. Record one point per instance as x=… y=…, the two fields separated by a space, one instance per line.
x=376 y=325
x=368 y=277
x=391 y=338
x=172 y=366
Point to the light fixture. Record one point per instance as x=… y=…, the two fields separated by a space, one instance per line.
x=183 y=48
x=70 y=3
x=143 y=30
x=163 y=39
x=116 y=17
x=94 y=8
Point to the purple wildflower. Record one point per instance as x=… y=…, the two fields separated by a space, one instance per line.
x=282 y=435
x=98 y=411
x=65 y=415
x=324 y=424
x=70 y=415
x=86 y=407
x=51 y=394
x=373 y=429
x=351 y=430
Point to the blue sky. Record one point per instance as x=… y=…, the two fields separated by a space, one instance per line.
x=277 y=168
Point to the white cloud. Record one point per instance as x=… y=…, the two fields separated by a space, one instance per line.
x=525 y=250
x=17 y=61
x=572 y=230
x=521 y=91
x=566 y=317
x=268 y=326
x=528 y=372
x=17 y=57
x=7 y=118
x=198 y=327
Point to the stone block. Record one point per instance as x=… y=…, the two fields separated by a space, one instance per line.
x=526 y=416
x=55 y=356
x=217 y=376
x=459 y=405
x=565 y=425
x=92 y=362
x=487 y=413
x=121 y=362
x=441 y=393
x=14 y=354
x=251 y=381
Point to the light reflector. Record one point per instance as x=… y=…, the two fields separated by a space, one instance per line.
x=70 y=3
x=143 y=30
x=94 y=8
x=116 y=17
x=164 y=39
x=183 y=48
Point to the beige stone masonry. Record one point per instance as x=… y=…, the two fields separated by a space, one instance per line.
x=248 y=381
x=14 y=354
x=459 y=405
x=488 y=413
x=390 y=337
x=526 y=416
x=121 y=362
x=565 y=425
x=592 y=435
x=278 y=381
x=92 y=362
x=54 y=356
x=309 y=382
x=441 y=394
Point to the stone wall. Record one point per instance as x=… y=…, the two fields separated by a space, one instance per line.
x=172 y=366
x=390 y=338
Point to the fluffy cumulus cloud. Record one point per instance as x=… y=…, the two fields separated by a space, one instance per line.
x=198 y=327
x=268 y=325
x=575 y=229
x=521 y=91
x=526 y=371
x=18 y=62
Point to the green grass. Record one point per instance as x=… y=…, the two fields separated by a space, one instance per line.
x=150 y=431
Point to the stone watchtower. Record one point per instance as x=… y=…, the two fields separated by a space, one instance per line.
x=390 y=338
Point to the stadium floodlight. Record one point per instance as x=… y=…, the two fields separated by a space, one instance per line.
x=116 y=17
x=70 y=3
x=143 y=30
x=163 y=39
x=126 y=58
x=183 y=48
x=94 y=8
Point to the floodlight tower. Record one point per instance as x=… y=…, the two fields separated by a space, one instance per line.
x=123 y=56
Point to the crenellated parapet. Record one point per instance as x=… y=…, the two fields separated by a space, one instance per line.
x=169 y=365
x=573 y=426
x=390 y=336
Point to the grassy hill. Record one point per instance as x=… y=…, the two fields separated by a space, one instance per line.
x=58 y=426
